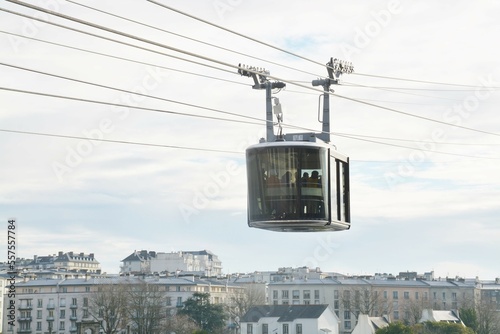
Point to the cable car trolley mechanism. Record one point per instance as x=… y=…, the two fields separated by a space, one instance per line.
x=297 y=182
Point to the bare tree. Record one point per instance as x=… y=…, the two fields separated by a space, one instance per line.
x=108 y=306
x=242 y=300
x=488 y=319
x=413 y=308
x=180 y=324
x=365 y=300
x=481 y=314
x=146 y=308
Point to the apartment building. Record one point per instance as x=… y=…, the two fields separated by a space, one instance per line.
x=59 y=306
x=401 y=300
x=200 y=263
x=68 y=261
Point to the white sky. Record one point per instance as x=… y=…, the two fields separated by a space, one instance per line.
x=411 y=209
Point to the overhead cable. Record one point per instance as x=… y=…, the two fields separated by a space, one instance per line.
x=117 y=141
x=193 y=39
x=214 y=60
x=292 y=53
x=113 y=104
x=129 y=92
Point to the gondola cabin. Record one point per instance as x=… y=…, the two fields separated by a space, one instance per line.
x=297 y=186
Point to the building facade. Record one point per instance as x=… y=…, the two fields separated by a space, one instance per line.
x=200 y=263
x=400 y=300
x=59 y=306
x=288 y=319
x=69 y=261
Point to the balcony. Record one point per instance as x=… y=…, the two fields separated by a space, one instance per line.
x=24 y=331
x=51 y=306
x=72 y=306
x=25 y=307
x=24 y=318
x=72 y=329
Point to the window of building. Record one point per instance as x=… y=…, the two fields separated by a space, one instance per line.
x=25 y=326
x=406 y=295
x=335 y=294
x=316 y=294
x=295 y=294
x=394 y=295
x=61 y=325
x=38 y=325
x=453 y=296
x=396 y=315
x=275 y=294
x=285 y=329
x=385 y=295
x=62 y=314
x=444 y=295
x=249 y=328
x=347 y=315
x=168 y=301
x=298 y=329
x=39 y=314
x=416 y=295
x=87 y=289
x=265 y=329
x=179 y=301
x=307 y=294
x=85 y=302
x=284 y=294
x=39 y=303
x=73 y=301
x=347 y=325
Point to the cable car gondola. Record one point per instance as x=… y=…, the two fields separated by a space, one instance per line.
x=297 y=186
x=297 y=182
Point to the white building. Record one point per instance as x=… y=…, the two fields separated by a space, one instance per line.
x=59 y=305
x=69 y=261
x=201 y=263
x=450 y=316
x=287 y=319
x=369 y=325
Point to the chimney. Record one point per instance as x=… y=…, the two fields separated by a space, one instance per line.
x=91 y=255
x=60 y=253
